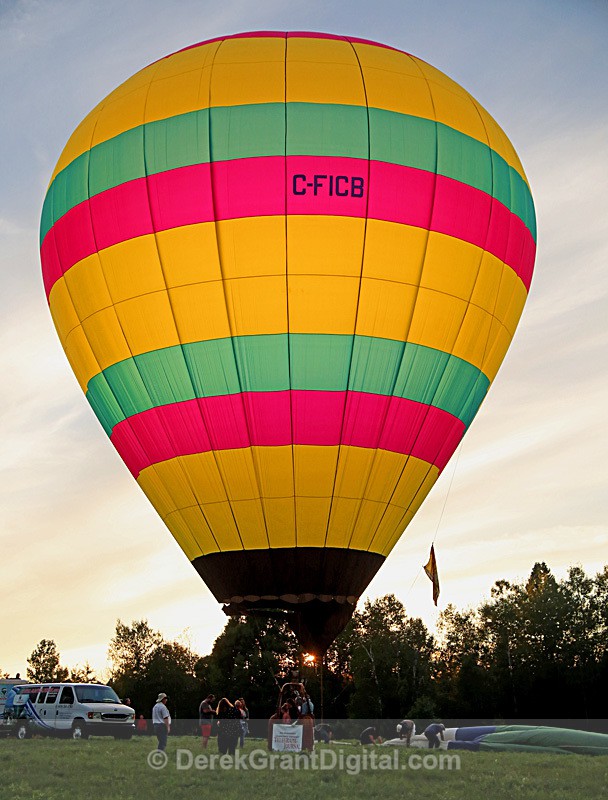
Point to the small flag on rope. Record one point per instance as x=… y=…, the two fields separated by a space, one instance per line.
x=431 y=570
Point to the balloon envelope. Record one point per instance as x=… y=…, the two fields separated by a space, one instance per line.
x=285 y=268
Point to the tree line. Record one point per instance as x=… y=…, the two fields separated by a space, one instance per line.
x=536 y=649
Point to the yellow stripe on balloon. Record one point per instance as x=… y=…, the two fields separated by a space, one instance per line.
x=238 y=72
x=257 y=305
x=106 y=337
x=63 y=312
x=129 y=265
x=415 y=482
x=147 y=322
x=354 y=465
x=395 y=252
x=80 y=140
x=248 y=71
x=280 y=521
x=188 y=254
x=322 y=303
x=253 y=246
x=201 y=478
x=191 y=59
x=117 y=295
x=177 y=93
x=439 y=320
x=252 y=70
x=366 y=474
x=251 y=523
x=321 y=245
x=314 y=470
x=187 y=302
x=133 y=88
x=312 y=514
x=455 y=107
x=394 y=81
x=83 y=361
x=499 y=142
x=395 y=519
x=238 y=473
x=120 y=114
x=182 y=524
x=357 y=519
x=370 y=515
x=184 y=482
x=221 y=520
x=87 y=285
x=192 y=529
x=323 y=71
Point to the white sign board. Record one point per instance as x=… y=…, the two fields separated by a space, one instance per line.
x=287 y=738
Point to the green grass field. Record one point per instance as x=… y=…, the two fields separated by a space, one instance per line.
x=57 y=769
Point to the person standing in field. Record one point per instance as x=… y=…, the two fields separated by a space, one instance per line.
x=244 y=711
x=161 y=721
x=206 y=712
x=228 y=727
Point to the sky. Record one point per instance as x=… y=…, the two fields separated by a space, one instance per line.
x=81 y=545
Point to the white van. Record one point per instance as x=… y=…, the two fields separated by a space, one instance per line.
x=78 y=710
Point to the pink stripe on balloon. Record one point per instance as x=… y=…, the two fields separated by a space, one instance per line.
x=181 y=197
x=321 y=178
x=249 y=187
x=275 y=419
x=315 y=185
x=269 y=416
x=401 y=194
x=72 y=241
x=123 y=215
x=459 y=207
x=51 y=265
x=351 y=39
x=317 y=417
x=285 y=35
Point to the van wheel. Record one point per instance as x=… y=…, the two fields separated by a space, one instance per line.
x=79 y=731
x=22 y=731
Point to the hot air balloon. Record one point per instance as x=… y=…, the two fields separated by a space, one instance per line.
x=285 y=269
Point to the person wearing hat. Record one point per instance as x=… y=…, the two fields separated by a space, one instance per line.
x=161 y=720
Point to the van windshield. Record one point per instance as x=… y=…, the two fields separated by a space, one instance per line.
x=96 y=694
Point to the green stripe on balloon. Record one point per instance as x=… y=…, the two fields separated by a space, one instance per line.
x=249 y=131
x=275 y=363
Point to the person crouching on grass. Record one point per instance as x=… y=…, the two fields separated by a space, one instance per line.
x=161 y=721
x=433 y=732
x=406 y=729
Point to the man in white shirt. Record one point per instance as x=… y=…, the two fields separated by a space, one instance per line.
x=161 y=720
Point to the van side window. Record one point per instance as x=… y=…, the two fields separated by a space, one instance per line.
x=52 y=695
x=42 y=695
x=67 y=695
